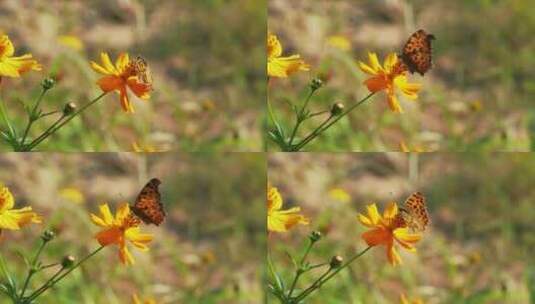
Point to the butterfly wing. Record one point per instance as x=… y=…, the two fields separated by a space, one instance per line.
x=148 y=206
x=417 y=52
x=416 y=209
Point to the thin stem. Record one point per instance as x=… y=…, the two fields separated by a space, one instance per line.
x=32 y=269
x=300 y=116
x=32 y=118
x=303 y=143
x=319 y=113
x=324 y=280
x=314 y=285
x=43 y=287
x=55 y=279
x=300 y=269
x=51 y=131
x=312 y=134
x=42 y=136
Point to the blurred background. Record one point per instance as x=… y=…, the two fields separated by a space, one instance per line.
x=477 y=249
x=478 y=96
x=207 y=59
x=208 y=250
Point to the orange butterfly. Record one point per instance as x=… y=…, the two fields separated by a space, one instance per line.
x=148 y=206
x=414 y=212
x=416 y=53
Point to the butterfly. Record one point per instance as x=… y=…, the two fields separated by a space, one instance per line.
x=148 y=206
x=414 y=212
x=417 y=52
x=142 y=70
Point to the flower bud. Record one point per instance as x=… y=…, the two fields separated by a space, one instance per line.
x=48 y=83
x=315 y=236
x=68 y=261
x=337 y=109
x=336 y=261
x=48 y=235
x=69 y=108
x=316 y=83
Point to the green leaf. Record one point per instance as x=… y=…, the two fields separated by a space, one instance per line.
x=279 y=282
x=11 y=283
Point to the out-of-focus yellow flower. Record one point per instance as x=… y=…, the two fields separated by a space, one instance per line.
x=124 y=75
x=404 y=148
x=145 y=148
x=339 y=194
x=14 y=219
x=476 y=106
x=281 y=220
x=387 y=230
x=119 y=229
x=403 y=300
x=71 y=41
x=278 y=66
x=340 y=42
x=72 y=194
x=391 y=75
x=14 y=66
x=136 y=300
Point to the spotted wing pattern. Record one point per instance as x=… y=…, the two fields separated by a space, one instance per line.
x=414 y=212
x=142 y=70
x=417 y=52
x=148 y=206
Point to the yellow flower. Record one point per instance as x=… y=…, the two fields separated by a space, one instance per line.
x=391 y=75
x=404 y=148
x=71 y=41
x=387 y=230
x=340 y=42
x=281 y=220
x=12 y=66
x=14 y=219
x=119 y=229
x=278 y=66
x=124 y=75
x=340 y=195
x=404 y=300
x=145 y=148
x=136 y=300
x=72 y=194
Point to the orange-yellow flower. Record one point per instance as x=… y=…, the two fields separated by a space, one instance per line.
x=281 y=220
x=14 y=219
x=404 y=148
x=278 y=66
x=14 y=66
x=136 y=300
x=124 y=75
x=404 y=300
x=119 y=229
x=387 y=230
x=388 y=77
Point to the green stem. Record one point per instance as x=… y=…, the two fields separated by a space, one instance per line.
x=303 y=143
x=56 y=278
x=300 y=116
x=32 y=118
x=326 y=278
x=51 y=131
x=300 y=269
x=312 y=134
x=32 y=269
x=314 y=285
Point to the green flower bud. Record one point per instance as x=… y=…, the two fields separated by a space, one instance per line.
x=48 y=83
x=315 y=236
x=48 y=235
x=316 y=83
x=68 y=261
x=69 y=108
x=336 y=261
x=337 y=109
